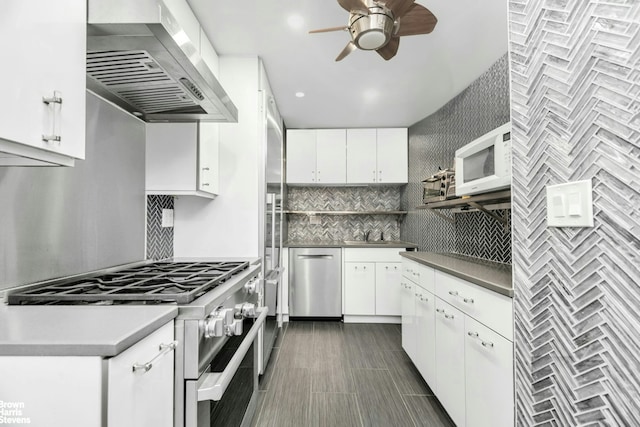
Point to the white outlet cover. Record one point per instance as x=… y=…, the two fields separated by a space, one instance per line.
x=167 y=217
x=570 y=204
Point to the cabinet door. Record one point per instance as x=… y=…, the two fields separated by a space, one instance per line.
x=44 y=53
x=450 y=377
x=208 y=151
x=360 y=288
x=301 y=156
x=426 y=336
x=392 y=157
x=388 y=300
x=142 y=398
x=171 y=156
x=361 y=156
x=489 y=377
x=331 y=156
x=407 y=299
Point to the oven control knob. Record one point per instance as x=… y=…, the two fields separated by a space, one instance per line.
x=246 y=309
x=234 y=328
x=215 y=325
x=251 y=286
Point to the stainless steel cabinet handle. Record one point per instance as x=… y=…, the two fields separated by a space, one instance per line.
x=205 y=169
x=164 y=349
x=468 y=300
x=487 y=344
x=473 y=334
x=423 y=299
x=439 y=310
x=453 y=293
x=52 y=100
x=205 y=184
x=54 y=138
x=212 y=385
x=448 y=316
x=418 y=295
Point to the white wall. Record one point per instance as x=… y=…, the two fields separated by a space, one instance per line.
x=228 y=226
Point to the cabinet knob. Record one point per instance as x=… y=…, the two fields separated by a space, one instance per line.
x=364 y=268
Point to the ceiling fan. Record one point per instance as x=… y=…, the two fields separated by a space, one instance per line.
x=379 y=24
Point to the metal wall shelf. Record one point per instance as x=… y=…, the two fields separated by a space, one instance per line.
x=346 y=212
x=484 y=203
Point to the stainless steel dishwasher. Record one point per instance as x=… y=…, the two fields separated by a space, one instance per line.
x=315 y=282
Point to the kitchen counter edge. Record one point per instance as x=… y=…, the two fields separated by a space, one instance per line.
x=76 y=331
x=490 y=275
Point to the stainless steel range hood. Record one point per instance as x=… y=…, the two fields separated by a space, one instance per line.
x=140 y=58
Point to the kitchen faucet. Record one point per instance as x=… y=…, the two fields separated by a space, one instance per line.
x=366 y=236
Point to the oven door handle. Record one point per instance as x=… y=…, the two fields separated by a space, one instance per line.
x=212 y=385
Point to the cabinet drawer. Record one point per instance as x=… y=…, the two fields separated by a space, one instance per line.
x=488 y=307
x=373 y=254
x=419 y=274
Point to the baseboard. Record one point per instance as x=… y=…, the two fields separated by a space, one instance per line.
x=372 y=319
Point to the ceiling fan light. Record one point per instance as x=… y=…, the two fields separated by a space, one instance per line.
x=372 y=39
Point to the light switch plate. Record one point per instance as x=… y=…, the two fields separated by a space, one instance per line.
x=315 y=220
x=570 y=204
x=167 y=217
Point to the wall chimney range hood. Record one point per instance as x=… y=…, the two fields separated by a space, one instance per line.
x=142 y=59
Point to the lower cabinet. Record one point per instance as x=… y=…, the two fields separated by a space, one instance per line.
x=359 y=289
x=62 y=391
x=450 y=357
x=467 y=364
x=371 y=278
x=489 y=377
x=140 y=382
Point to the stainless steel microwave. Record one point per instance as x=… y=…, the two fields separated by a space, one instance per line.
x=484 y=165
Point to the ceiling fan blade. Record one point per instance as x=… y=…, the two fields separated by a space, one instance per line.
x=350 y=47
x=326 y=30
x=390 y=49
x=399 y=7
x=419 y=20
x=350 y=5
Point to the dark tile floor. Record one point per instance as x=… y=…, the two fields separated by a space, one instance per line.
x=334 y=374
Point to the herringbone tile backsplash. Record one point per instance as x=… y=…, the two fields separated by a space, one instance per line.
x=433 y=141
x=343 y=227
x=159 y=239
x=575 y=89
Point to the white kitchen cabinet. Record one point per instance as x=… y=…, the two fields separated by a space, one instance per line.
x=42 y=81
x=388 y=301
x=408 y=306
x=316 y=156
x=380 y=297
x=360 y=288
x=425 y=331
x=377 y=156
x=141 y=397
x=489 y=377
x=182 y=159
x=450 y=360
x=392 y=155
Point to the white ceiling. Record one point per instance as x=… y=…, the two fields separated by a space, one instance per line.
x=362 y=90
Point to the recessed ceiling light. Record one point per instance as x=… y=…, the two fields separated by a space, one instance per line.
x=300 y=94
x=295 y=21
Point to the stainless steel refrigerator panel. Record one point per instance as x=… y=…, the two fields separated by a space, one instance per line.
x=57 y=221
x=315 y=282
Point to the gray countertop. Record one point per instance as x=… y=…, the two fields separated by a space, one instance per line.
x=350 y=244
x=77 y=330
x=491 y=275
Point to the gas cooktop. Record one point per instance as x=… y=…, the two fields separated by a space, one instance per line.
x=156 y=283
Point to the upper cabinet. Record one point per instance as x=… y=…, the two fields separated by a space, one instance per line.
x=42 y=114
x=377 y=156
x=344 y=157
x=316 y=156
x=182 y=159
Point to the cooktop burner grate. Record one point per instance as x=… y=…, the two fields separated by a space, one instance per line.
x=160 y=282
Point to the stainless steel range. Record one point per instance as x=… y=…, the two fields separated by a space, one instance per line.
x=216 y=328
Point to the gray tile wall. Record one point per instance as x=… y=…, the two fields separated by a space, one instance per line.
x=343 y=227
x=575 y=90
x=159 y=239
x=483 y=106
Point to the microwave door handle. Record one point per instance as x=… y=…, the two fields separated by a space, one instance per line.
x=212 y=385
